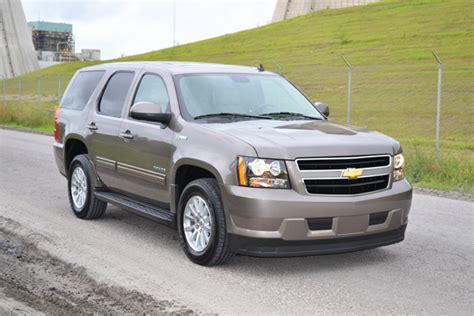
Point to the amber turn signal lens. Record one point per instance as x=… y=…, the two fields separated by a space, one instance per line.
x=242 y=172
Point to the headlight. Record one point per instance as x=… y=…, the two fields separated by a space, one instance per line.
x=398 y=164
x=262 y=173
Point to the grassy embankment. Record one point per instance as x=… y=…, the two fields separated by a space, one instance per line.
x=394 y=81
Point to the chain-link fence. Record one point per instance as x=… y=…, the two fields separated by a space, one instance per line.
x=397 y=99
x=31 y=101
x=383 y=97
x=42 y=90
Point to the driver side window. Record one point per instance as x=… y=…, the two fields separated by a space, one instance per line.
x=153 y=89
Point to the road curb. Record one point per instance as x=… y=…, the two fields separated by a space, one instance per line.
x=24 y=130
x=453 y=195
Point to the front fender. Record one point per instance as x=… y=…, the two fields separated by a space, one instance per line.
x=194 y=162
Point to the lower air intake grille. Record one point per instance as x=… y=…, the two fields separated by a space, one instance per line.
x=346 y=186
x=378 y=218
x=322 y=223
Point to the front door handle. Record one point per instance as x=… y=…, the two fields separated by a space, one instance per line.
x=127 y=134
x=92 y=126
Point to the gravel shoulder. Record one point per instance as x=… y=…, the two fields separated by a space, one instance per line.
x=32 y=281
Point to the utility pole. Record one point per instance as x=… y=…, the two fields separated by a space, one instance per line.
x=174 y=22
x=438 y=103
x=349 y=89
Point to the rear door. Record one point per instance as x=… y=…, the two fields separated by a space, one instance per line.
x=146 y=147
x=104 y=125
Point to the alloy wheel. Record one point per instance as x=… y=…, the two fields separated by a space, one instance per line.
x=79 y=188
x=197 y=223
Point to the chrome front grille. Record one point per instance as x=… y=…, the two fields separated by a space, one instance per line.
x=341 y=163
x=329 y=175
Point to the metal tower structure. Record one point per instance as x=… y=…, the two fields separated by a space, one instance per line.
x=17 y=54
x=287 y=9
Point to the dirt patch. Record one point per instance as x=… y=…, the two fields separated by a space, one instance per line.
x=37 y=280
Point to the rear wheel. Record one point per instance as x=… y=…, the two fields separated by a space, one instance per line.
x=201 y=223
x=81 y=191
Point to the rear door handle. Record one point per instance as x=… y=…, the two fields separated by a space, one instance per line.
x=92 y=126
x=127 y=134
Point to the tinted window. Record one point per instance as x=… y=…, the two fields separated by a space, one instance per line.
x=81 y=89
x=152 y=89
x=115 y=93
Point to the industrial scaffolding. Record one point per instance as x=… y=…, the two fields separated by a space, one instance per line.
x=53 y=41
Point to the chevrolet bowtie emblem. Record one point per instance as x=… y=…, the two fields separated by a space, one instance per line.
x=352 y=173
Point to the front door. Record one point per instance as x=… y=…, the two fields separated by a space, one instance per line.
x=104 y=125
x=146 y=147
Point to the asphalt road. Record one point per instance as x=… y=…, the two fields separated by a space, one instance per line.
x=431 y=272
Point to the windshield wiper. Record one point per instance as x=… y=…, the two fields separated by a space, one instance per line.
x=233 y=115
x=290 y=114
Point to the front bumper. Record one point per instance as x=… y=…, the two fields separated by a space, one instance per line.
x=258 y=247
x=277 y=218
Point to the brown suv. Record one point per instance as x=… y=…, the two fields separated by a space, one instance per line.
x=236 y=158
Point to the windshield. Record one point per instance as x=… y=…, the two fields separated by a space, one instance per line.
x=245 y=95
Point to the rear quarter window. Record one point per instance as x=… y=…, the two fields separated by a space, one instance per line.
x=81 y=89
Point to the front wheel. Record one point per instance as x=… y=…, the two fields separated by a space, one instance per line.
x=201 y=223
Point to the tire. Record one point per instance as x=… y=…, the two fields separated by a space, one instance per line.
x=217 y=250
x=87 y=207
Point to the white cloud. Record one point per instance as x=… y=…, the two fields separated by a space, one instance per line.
x=137 y=26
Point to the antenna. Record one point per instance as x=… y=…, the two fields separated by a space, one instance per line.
x=261 y=68
x=280 y=72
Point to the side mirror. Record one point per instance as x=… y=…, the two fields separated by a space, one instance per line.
x=322 y=107
x=148 y=111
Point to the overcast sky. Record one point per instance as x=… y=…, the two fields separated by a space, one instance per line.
x=120 y=27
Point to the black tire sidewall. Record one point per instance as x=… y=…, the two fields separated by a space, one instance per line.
x=79 y=162
x=193 y=189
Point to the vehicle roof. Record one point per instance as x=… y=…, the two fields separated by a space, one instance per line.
x=176 y=68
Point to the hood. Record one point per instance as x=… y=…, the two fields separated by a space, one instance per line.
x=299 y=139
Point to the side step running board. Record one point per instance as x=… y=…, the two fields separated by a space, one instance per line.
x=143 y=209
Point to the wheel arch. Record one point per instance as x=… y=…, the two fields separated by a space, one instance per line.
x=187 y=170
x=75 y=145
